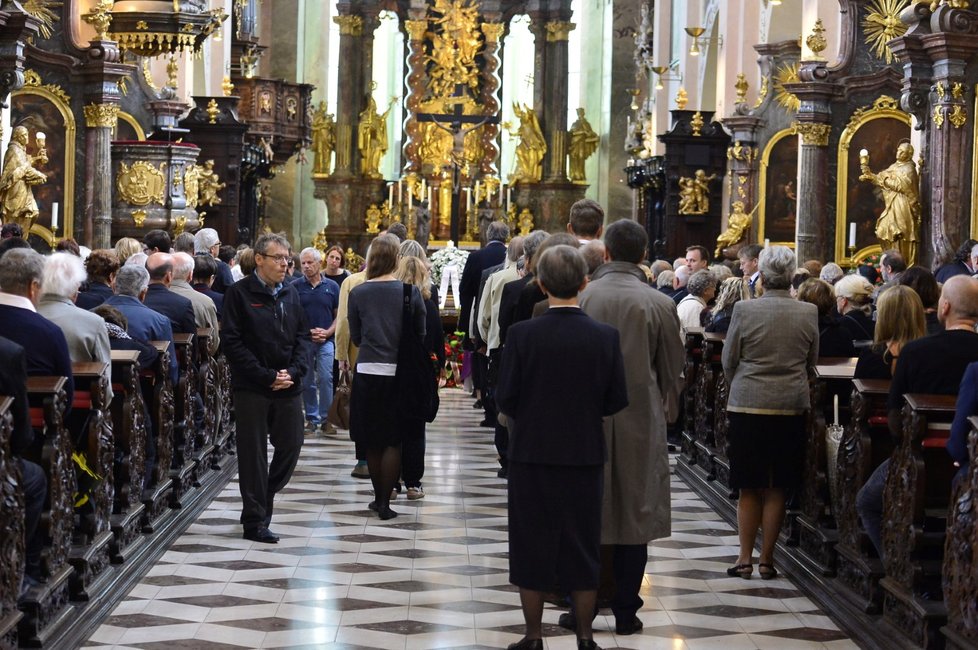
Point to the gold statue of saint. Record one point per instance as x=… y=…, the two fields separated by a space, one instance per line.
x=737 y=224
x=372 y=138
x=531 y=149
x=526 y=222
x=694 y=193
x=209 y=184
x=17 y=178
x=323 y=140
x=897 y=225
x=374 y=217
x=583 y=143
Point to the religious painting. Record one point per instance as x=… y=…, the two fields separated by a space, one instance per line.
x=127 y=129
x=777 y=213
x=42 y=110
x=879 y=130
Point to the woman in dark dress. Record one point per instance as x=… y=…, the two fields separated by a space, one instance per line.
x=853 y=299
x=833 y=340
x=732 y=291
x=899 y=320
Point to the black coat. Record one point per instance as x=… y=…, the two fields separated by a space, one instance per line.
x=478 y=261
x=13 y=383
x=223 y=278
x=561 y=374
x=178 y=309
x=263 y=334
x=94 y=295
x=507 y=304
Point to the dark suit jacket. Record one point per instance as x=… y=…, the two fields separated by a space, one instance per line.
x=44 y=344
x=529 y=296
x=178 y=309
x=223 y=278
x=478 y=261
x=218 y=298
x=94 y=295
x=13 y=383
x=507 y=304
x=147 y=325
x=561 y=373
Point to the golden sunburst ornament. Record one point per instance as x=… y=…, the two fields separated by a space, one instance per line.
x=47 y=11
x=881 y=24
x=787 y=73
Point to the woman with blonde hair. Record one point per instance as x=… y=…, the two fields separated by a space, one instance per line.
x=126 y=247
x=853 y=300
x=899 y=320
x=732 y=291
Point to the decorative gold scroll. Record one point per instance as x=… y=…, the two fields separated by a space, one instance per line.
x=101 y=116
x=813 y=133
x=558 y=30
x=349 y=25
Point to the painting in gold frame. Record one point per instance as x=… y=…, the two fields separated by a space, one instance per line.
x=128 y=128
x=777 y=213
x=879 y=129
x=41 y=110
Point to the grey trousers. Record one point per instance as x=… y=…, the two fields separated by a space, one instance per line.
x=261 y=420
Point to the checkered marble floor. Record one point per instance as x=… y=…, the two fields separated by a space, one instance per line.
x=434 y=577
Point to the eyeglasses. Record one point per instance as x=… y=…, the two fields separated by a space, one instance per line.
x=279 y=259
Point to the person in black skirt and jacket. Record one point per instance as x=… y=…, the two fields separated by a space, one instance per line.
x=551 y=366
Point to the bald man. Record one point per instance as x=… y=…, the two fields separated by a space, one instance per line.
x=934 y=364
x=159 y=298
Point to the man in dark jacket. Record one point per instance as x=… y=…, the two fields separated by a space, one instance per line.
x=159 y=298
x=266 y=340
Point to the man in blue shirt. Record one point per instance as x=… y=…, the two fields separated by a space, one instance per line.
x=320 y=298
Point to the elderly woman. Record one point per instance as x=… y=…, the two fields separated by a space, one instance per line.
x=101 y=265
x=833 y=340
x=732 y=291
x=854 y=301
x=702 y=287
x=831 y=273
x=771 y=344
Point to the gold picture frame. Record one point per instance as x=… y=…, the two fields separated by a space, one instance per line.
x=762 y=208
x=56 y=96
x=884 y=107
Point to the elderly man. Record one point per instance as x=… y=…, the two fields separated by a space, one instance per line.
x=266 y=340
x=21 y=272
x=159 y=298
x=205 y=312
x=701 y=288
x=636 y=502
x=679 y=282
x=131 y=286
x=892 y=265
x=207 y=242
x=320 y=298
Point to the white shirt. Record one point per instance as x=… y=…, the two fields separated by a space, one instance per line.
x=11 y=300
x=689 y=309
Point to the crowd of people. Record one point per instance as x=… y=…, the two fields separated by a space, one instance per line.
x=586 y=460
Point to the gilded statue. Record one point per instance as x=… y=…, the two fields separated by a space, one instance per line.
x=525 y=222
x=323 y=140
x=899 y=222
x=18 y=177
x=372 y=138
x=737 y=224
x=209 y=183
x=694 y=193
x=445 y=199
x=319 y=242
x=531 y=149
x=583 y=143
x=191 y=185
x=374 y=217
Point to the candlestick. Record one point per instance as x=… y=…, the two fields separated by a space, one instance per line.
x=54 y=217
x=852 y=235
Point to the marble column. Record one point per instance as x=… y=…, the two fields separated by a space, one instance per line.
x=550 y=95
x=349 y=99
x=101 y=74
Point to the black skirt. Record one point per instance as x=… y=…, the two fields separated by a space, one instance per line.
x=555 y=526
x=765 y=450
x=374 y=422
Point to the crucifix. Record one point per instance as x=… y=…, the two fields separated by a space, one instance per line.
x=452 y=123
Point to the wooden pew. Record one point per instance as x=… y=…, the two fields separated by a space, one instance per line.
x=225 y=443
x=711 y=417
x=183 y=470
x=866 y=443
x=12 y=515
x=46 y=606
x=207 y=387
x=694 y=359
x=158 y=393
x=817 y=534
x=90 y=551
x=960 y=564
x=129 y=429
x=915 y=504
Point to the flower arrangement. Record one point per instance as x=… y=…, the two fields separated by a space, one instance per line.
x=453 y=359
x=444 y=257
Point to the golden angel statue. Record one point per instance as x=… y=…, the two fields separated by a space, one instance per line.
x=687 y=195
x=323 y=140
x=17 y=178
x=694 y=193
x=531 y=149
x=583 y=143
x=209 y=183
x=897 y=225
x=372 y=138
x=737 y=224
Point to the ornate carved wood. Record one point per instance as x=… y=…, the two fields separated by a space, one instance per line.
x=158 y=393
x=208 y=389
x=129 y=425
x=12 y=544
x=694 y=358
x=184 y=430
x=960 y=563
x=225 y=442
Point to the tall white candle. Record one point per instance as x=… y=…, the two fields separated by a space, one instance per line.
x=429 y=197
x=488 y=194
x=509 y=197
x=390 y=195
x=478 y=184
x=424 y=187
x=468 y=199
x=835 y=409
x=54 y=216
x=852 y=235
x=400 y=191
x=410 y=200
x=767 y=243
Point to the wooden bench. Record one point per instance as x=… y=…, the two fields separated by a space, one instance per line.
x=90 y=551
x=866 y=443
x=225 y=443
x=207 y=388
x=915 y=505
x=960 y=564
x=183 y=470
x=129 y=428
x=158 y=393
x=12 y=515
x=694 y=358
x=712 y=421
x=46 y=607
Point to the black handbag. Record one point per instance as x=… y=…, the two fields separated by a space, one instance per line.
x=415 y=380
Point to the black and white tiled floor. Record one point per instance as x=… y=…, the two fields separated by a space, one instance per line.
x=434 y=577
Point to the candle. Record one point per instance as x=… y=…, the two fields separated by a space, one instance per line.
x=400 y=191
x=429 y=195
x=478 y=184
x=852 y=235
x=489 y=195
x=410 y=200
x=468 y=199
x=767 y=243
x=835 y=409
x=390 y=195
x=424 y=187
x=54 y=216
x=509 y=197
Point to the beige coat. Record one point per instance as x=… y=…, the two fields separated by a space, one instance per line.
x=636 y=507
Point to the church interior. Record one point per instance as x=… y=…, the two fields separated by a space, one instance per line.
x=837 y=128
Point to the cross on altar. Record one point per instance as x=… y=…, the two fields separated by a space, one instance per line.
x=452 y=123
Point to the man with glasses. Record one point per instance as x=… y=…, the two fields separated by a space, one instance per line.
x=207 y=242
x=266 y=340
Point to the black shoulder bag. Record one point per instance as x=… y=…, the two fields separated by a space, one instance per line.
x=415 y=381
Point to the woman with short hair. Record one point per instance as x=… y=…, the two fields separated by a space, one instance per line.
x=854 y=301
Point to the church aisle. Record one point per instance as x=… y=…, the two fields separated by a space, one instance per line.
x=434 y=577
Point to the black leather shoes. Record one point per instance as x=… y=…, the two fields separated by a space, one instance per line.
x=527 y=644
x=262 y=535
x=568 y=621
x=624 y=628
